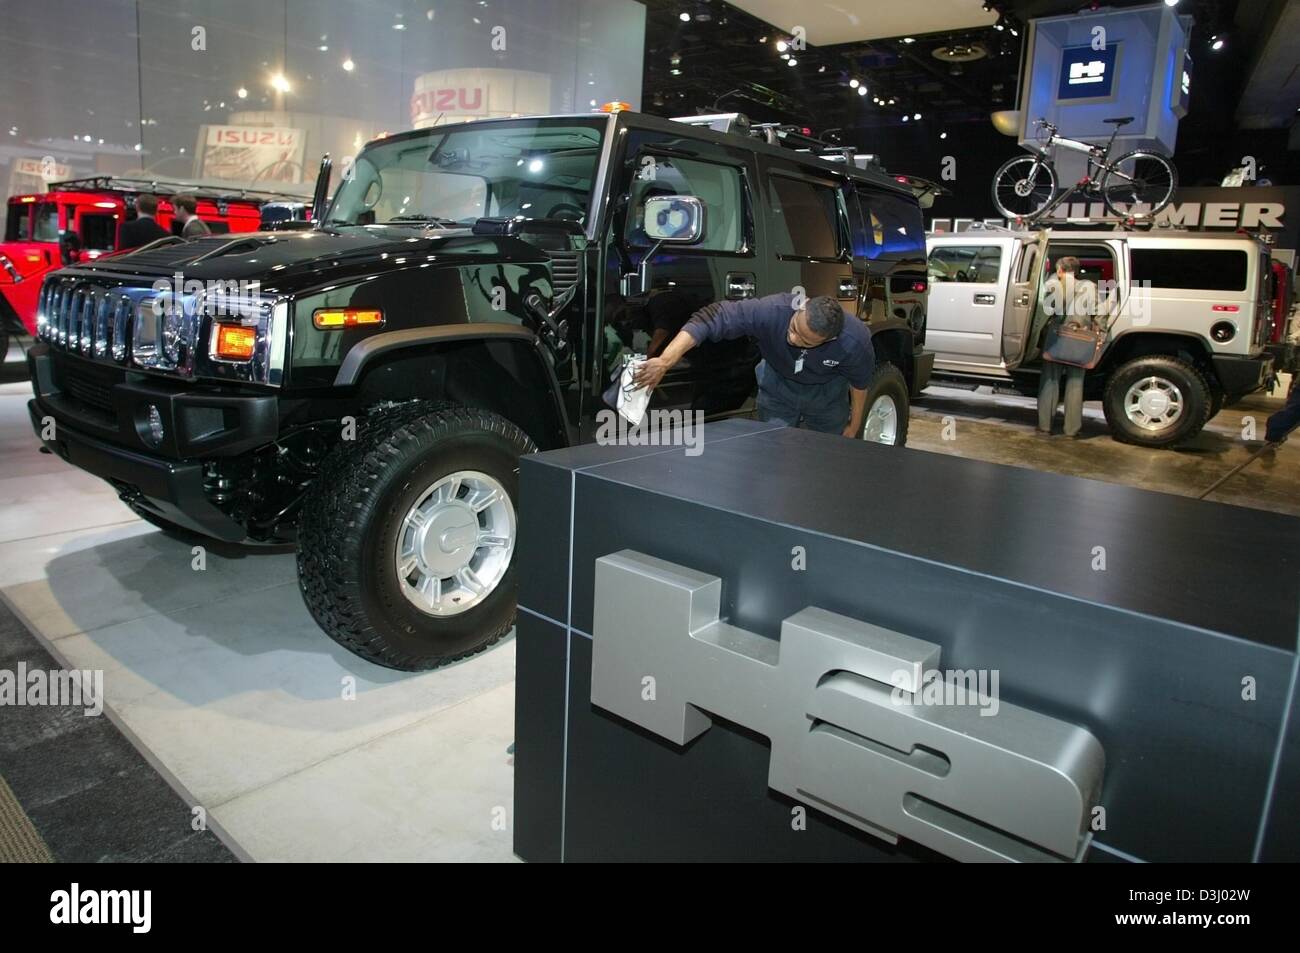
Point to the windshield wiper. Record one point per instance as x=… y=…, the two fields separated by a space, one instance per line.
x=428 y=219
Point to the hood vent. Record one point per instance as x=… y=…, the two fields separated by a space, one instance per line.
x=175 y=253
x=565 y=266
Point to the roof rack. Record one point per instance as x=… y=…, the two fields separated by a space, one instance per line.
x=163 y=186
x=786 y=135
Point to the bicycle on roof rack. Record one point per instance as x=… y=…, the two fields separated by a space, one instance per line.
x=1026 y=187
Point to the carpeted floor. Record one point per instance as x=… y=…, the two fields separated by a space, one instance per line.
x=74 y=789
x=19 y=842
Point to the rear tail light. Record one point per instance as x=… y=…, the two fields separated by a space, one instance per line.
x=235 y=342
x=1231 y=308
x=918 y=287
x=327 y=319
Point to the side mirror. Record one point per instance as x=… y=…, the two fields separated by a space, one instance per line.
x=669 y=220
x=674 y=218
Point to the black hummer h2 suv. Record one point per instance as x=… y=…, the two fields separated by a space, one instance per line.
x=365 y=387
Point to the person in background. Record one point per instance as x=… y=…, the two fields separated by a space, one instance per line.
x=1065 y=297
x=187 y=214
x=1281 y=424
x=144 y=228
x=816 y=365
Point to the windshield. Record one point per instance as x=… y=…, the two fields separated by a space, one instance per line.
x=537 y=168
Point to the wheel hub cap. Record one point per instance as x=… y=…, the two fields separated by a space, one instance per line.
x=882 y=422
x=1153 y=403
x=1024 y=187
x=455 y=543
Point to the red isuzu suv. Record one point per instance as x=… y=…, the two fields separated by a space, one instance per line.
x=79 y=219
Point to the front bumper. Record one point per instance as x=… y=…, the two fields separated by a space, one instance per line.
x=1242 y=375
x=97 y=420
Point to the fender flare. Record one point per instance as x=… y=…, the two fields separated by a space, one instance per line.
x=366 y=351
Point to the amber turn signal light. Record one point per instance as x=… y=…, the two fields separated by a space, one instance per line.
x=235 y=342
x=329 y=318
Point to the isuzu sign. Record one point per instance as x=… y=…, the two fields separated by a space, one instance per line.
x=863 y=725
x=251 y=153
x=462 y=95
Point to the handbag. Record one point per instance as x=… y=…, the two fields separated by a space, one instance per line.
x=1079 y=345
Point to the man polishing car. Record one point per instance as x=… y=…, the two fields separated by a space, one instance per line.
x=815 y=367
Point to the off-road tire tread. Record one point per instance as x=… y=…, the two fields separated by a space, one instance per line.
x=332 y=518
x=1187 y=368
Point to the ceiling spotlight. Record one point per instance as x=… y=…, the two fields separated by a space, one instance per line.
x=999 y=26
x=675 y=72
x=782 y=46
x=909 y=39
x=348 y=65
x=792 y=62
x=891 y=100
x=943 y=135
x=1014 y=31
x=822 y=68
x=916 y=115
x=684 y=17
x=862 y=90
x=905 y=118
x=241 y=93
x=853 y=83
x=323 y=48
x=1171 y=3
x=399 y=26
x=1216 y=42
x=279 y=83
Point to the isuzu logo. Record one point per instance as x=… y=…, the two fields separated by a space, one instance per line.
x=861 y=728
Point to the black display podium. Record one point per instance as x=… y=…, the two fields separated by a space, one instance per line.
x=1162 y=627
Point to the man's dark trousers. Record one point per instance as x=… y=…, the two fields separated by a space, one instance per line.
x=821 y=407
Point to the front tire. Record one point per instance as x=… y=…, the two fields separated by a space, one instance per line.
x=887 y=407
x=1023 y=186
x=1156 y=401
x=406 y=540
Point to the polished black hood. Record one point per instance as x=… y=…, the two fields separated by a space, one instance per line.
x=288 y=262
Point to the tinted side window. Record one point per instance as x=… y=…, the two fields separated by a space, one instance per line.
x=1201 y=270
x=98 y=232
x=977 y=264
x=717 y=186
x=19 y=227
x=894 y=228
x=805 y=218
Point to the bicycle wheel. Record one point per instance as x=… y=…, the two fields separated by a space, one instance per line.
x=1139 y=179
x=1023 y=186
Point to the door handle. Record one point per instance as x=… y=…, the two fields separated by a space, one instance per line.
x=843 y=703
x=986 y=298
x=740 y=284
x=848 y=288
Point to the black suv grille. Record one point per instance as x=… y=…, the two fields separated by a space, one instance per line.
x=86 y=319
